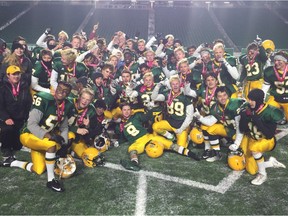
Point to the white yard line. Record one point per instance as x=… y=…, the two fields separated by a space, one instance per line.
x=222 y=187
x=281 y=134
x=141 y=195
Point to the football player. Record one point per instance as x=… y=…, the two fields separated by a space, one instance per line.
x=131 y=129
x=144 y=92
x=223 y=121
x=252 y=67
x=276 y=82
x=45 y=130
x=82 y=121
x=42 y=72
x=225 y=68
x=129 y=64
x=258 y=122
x=124 y=91
x=179 y=112
x=66 y=67
x=206 y=93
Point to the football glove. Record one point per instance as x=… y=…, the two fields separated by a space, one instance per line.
x=258 y=41
x=58 y=139
x=158 y=36
x=233 y=147
x=47 y=31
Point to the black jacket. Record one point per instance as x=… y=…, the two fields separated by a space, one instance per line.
x=14 y=107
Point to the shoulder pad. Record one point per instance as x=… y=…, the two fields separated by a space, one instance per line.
x=45 y=95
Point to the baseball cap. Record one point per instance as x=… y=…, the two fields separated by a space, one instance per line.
x=13 y=69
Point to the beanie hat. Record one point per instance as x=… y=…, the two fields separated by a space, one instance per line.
x=96 y=75
x=256 y=95
x=16 y=46
x=100 y=104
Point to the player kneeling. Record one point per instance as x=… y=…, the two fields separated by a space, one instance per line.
x=131 y=129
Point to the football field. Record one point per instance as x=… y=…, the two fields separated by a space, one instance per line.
x=170 y=185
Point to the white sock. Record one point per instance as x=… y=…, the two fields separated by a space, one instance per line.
x=50 y=162
x=168 y=135
x=22 y=164
x=261 y=168
x=207 y=145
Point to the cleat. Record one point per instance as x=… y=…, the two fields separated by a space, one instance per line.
x=130 y=165
x=206 y=154
x=276 y=164
x=214 y=156
x=260 y=179
x=7 y=161
x=282 y=122
x=55 y=185
x=193 y=156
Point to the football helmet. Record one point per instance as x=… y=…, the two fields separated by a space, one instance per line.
x=102 y=143
x=92 y=157
x=196 y=135
x=236 y=160
x=65 y=167
x=268 y=44
x=154 y=149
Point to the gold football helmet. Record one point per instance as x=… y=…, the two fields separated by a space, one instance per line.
x=268 y=44
x=102 y=143
x=236 y=160
x=92 y=157
x=154 y=149
x=65 y=167
x=196 y=135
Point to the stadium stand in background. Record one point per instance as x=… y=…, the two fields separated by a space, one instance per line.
x=192 y=24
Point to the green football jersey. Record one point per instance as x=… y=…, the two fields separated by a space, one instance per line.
x=253 y=69
x=144 y=98
x=278 y=87
x=223 y=76
x=75 y=117
x=158 y=74
x=226 y=115
x=65 y=74
x=207 y=98
x=176 y=108
x=269 y=115
x=133 y=129
x=45 y=103
x=43 y=75
x=36 y=54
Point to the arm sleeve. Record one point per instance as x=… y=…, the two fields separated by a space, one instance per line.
x=40 y=42
x=159 y=50
x=168 y=73
x=110 y=46
x=265 y=88
x=35 y=86
x=64 y=129
x=53 y=79
x=208 y=120
x=156 y=96
x=189 y=92
x=192 y=65
x=81 y=57
x=232 y=70
x=239 y=135
x=35 y=116
x=189 y=117
x=150 y=42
